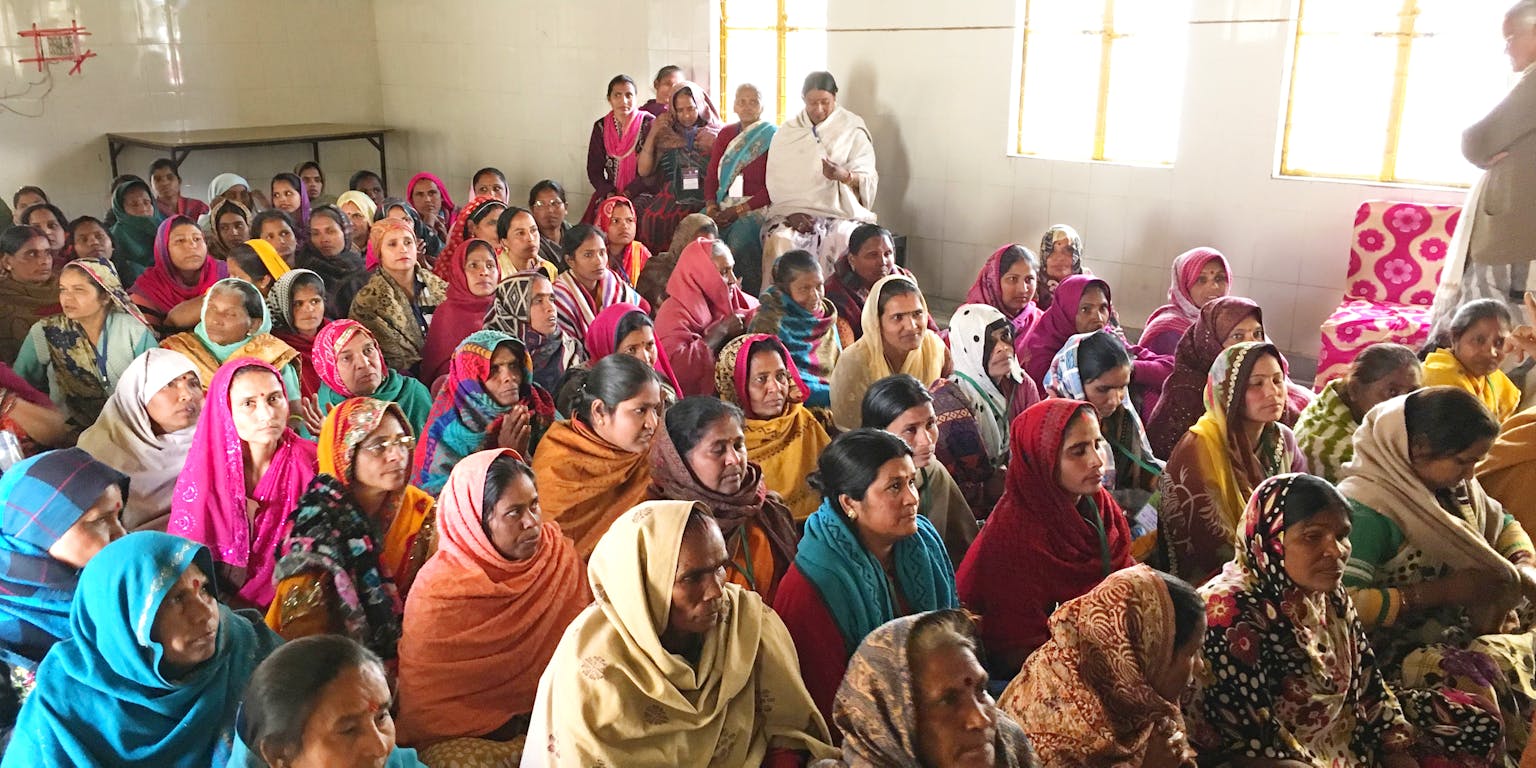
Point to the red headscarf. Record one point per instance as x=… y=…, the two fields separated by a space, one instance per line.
x=697 y=296
x=160 y=288
x=448 y=210
x=460 y=231
x=602 y=338
x=461 y=314
x=988 y=289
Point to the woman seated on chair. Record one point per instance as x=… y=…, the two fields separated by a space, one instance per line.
x=1326 y=429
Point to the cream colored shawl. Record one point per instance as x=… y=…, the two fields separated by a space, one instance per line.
x=612 y=695
x=863 y=363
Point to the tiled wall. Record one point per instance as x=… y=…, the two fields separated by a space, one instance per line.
x=180 y=64
x=937 y=101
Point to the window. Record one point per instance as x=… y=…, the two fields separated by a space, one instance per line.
x=1380 y=90
x=1102 y=79
x=772 y=44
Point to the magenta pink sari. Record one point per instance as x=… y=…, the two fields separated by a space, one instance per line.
x=209 y=505
x=623 y=148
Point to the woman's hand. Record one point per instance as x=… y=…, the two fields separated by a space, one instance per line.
x=185 y=315
x=516 y=430
x=800 y=222
x=723 y=330
x=723 y=217
x=314 y=418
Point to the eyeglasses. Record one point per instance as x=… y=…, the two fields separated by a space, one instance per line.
x=549 y=204
x=381 y=447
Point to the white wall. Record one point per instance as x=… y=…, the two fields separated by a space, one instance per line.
x=938 y=103
x=182 y=64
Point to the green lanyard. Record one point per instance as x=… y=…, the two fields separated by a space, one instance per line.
x=1094 y=520
x=746 y=554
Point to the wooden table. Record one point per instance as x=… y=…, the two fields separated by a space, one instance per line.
x=182 y=143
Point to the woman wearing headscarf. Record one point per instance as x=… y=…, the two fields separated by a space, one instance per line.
x=782 y=437
x=866 y=557
x=655 y=674
x=1289 y=672
x=358 y=535
x=1238 y=442
x=229 y=224
x=896 y=339
x=1061 y=256
x=145 y=431
x=465 y=693
x=1054 y=535
x=871 y=257
x=1007 y=282
x=524 y=307
x=588 y=286
x=239 y=509
x=736 y=185
x=332 y=254
x=133 y=229
x=627 y=329
x=1199 y=275
x=395 y=302
x=988 y=374
x=705 y=308
x=297 y=303
x=29 y=291
x=1435 y=570
x=170 y=293
x=358 y=208
x=488 y=401
x=796 y=310
x=1105 y=689
x=701 y=456
x=289 y=196
x=613 y=151
x=1082 y=305
x=472 y=273
x=230 y=186
x=153 y=669
x=258 y=262
x=652 y=284
x=476 y=220
x=79 y=354
x=428 y=244
x=594 y=465
x=347 y=359
x=1223 y=322
x=626 y=255
x=428 y=196
x=675 y=155
x=236 y=323
x=1325 y=432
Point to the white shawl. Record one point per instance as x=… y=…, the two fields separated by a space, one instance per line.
x=795 y=181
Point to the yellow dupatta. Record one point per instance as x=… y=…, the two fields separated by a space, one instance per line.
x=863 y=363
x=1496 y=392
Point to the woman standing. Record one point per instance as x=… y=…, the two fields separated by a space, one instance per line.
x=613 y=152
x=676 y=156
x=395 y=302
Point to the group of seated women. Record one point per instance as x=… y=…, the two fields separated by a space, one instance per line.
x=310 y=480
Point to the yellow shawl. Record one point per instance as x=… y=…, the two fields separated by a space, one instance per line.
x=613 y=695
x=863 y=363
x=263 y=346
x=1508 y=472
x=1498 y=394
x=787 y=448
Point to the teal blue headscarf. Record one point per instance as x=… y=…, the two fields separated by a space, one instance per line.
x=102 y=697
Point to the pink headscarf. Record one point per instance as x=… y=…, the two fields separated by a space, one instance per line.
x=1175 y=317
x=449 y=209
x=988 y=289
x=602 y=338
x=697 y=296
x=161 y=287
x=331 y=338
x=1057 y=324
x=461 y=314
x=209 y=504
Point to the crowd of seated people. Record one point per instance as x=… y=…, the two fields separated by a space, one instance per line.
x=302 y=478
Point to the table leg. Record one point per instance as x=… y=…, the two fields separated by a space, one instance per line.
x=114 y=148
x=179 y=156
x=377 y=140
x=314 y=148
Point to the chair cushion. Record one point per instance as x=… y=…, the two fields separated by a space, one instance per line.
x=1398 y=250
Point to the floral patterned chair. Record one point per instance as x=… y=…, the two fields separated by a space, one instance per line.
x=1395 y=258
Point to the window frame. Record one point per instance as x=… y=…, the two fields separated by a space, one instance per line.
x=782 y=29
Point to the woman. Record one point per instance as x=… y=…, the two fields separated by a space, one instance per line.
x=1054 y=536
x=1290 y=674
x=1470 y=353
x=902 y=406
x=626 y=255
x=1326 y=429
x=1238 y=443
x=524 y=307
x=289 y=197
x=675 y=157
x=90 y=239
x=910 y=698
x=48 y=219
x=359 y=209
x=702 y=456
x=595 y=465
x=1505 y=473
x=428 y=243
x=347 y=359
x=736 y=182
x=705 y=308
x=1083 y=304
x=472 y=273
x=313 y=177
x=588 y=286
x=257 y=262
x=1007 y=282
x=153 y=669
x=236 y=323
x=168 y=198
x=988 y=374
x=490 y=181
x=79 y=354
x=230 y=186
x=279 y=230
x=1061 y=256
x=652 y=284
x=518 y=245
x=476 y=220
x=229 y=224
x=1434 y=571
x=871 y=257
x=896 y=339
x=1095 y=368
x=133 y=229
x=395 y=302
x=1106 y=688
x=488 y=401
x=239 y=509
x=170 y=293
x=358 y=535
x=146 y=430
x=866 y=557
x=1223 y=322
x=796 y=310
x=297 y=303
x=465 y=694
x=1199 y=275
x=333 y=255
x=62 y=508
x=758 y=374
x=613 y=151
x=428 y=196
x=318 y=701
x=628 y=330
x=29 y=291
x=672 y=665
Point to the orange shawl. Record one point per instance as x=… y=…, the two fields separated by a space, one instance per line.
x=456 y=678
x=585 y=482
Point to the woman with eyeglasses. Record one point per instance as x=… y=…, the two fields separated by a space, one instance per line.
x=358 y=535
